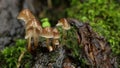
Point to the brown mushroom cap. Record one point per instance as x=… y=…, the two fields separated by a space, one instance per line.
x=29 y=33
x=64 y=23
x=47 y=32
x=35 y=24
x=25 y=15
x=33 y=28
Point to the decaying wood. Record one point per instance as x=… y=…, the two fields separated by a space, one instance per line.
x=96 y=48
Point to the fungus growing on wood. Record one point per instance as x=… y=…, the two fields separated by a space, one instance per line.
x=47 y=32
x=33 y=28
x=65 y=25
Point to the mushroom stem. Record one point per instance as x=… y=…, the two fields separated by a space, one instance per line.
x=50 y=48
x=29 y=44
x=55 y=42
x=47 y=43
x=35 y=38
x=35 y=42
x=54 y=46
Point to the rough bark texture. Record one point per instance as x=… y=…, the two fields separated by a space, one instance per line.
x=97 y=50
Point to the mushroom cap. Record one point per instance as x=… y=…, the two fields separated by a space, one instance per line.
x=31 y=32
x=64 y=23
x=56 y=33
x=25 y=15
x=33 y=27
x=47 y=32
x=28 y=34
x=35 y=24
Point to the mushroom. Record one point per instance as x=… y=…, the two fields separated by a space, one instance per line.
x=47 y=32
x=56 y=36
x=65 y=25
x=33 y=30
x=32 y=27
x=25 y=15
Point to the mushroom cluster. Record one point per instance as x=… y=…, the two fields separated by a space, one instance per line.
x=34 y=30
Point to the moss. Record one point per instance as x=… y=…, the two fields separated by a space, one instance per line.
x=9 y=56
x=45 y=23
x=103 y=16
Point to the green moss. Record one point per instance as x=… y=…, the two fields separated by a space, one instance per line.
x=9 y=55
x=45 y=22
x=104 y=17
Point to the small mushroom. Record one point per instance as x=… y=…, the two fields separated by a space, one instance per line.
x=25 y=15
x=55 y=37
x=32 y=27
x=33 y=30
x=47 y=32
x=65 y=25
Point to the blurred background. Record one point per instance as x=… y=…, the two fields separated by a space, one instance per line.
x=103 y=16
